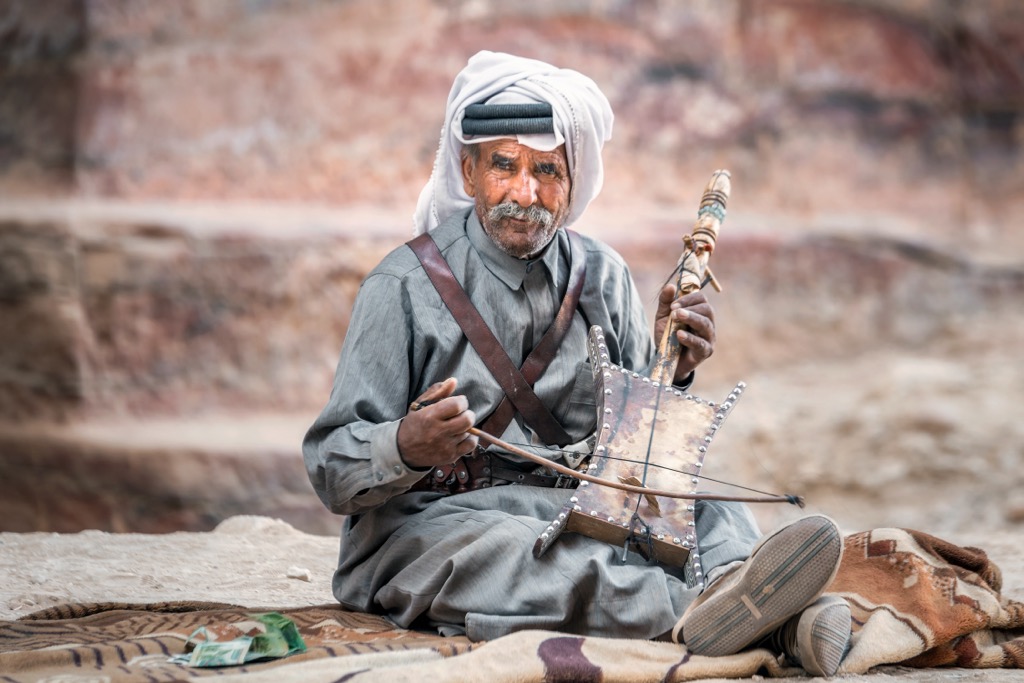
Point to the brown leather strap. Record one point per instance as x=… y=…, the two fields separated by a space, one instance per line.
x=539 y=359
x=518 y=388
x=482 y=470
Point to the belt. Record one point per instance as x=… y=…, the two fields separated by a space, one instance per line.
x=484 y=469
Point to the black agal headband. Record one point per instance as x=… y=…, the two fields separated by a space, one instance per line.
x=508 y=119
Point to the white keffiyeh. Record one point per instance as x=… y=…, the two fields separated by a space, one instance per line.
x=582 y=121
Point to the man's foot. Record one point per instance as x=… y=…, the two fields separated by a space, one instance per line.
x=818 y=638
x=787 y=571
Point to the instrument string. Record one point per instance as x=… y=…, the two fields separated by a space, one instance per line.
x=643 y=543
x=676 y=273
x=650 y=440
x=657 y=465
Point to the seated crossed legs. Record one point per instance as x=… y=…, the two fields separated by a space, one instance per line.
x=774 y=599
x=464 y=567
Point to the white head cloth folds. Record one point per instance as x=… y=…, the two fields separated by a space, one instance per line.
x=582 y=121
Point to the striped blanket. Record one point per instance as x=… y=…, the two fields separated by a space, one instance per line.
x=916 y=600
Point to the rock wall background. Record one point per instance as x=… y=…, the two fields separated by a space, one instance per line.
x=193 y=190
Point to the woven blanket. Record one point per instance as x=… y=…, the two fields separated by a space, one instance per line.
x=917 y=600
x=133 y=643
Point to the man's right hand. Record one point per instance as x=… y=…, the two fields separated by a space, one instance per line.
x=437 y=433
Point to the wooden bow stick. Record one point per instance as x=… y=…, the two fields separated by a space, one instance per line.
x=629 y=488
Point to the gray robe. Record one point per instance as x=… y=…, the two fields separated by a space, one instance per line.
x=463 y=563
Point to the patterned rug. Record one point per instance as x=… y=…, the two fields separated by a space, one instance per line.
x=125 y=642
x=916 y=600
x=129 y=643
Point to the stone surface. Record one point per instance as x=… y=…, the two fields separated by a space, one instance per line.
x=245 y=560
x=158 y=315
x=157 y=475
x=40 y=43
x=820 y=107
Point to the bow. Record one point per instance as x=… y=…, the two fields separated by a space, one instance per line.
x=630 y=488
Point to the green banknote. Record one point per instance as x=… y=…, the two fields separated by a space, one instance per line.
x=280 y=638
x=229 y=653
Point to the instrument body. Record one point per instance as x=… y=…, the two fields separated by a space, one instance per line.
x=636 y=416
x=649 y=433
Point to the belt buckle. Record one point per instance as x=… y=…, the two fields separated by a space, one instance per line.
x=564 y=481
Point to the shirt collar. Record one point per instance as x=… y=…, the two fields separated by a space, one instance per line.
x=509 y=269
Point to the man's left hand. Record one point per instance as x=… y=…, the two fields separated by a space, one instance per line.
x=696 y=321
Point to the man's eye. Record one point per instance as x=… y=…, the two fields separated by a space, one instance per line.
x=547 y=169
x=502 y=163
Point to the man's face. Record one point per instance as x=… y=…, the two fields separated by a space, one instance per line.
x=521 y=194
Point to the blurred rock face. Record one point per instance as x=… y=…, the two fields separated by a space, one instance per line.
x=160 y=319
x=903 y=107
x=871 y=261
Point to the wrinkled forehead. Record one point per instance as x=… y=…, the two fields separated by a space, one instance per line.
x=510 y=148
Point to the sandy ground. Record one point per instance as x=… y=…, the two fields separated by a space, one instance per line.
x=248 y=560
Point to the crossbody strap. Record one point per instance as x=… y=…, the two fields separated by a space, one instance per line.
x=516 y=384
x=541 y=356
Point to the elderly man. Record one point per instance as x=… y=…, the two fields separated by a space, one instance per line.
x=440 y=531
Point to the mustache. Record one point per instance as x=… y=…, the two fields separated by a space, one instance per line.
x=533 y=214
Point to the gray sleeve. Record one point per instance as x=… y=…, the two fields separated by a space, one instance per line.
x=634 y=330
x=351 y=451
x=638 y=344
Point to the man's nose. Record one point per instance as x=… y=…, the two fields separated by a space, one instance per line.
x=523 y=189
